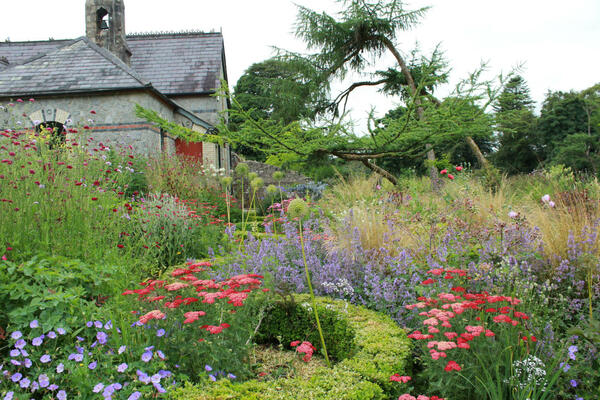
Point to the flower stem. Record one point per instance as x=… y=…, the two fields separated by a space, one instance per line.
x=312 y=294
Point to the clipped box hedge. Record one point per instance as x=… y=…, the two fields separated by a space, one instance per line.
x=380 y=349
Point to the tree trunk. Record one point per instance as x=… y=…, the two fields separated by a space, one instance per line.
x=380 y=171
x=480 y=157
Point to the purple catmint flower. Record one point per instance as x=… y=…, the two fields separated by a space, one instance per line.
x=45 y=359
x=16 y=335
x=34 y=324
x=122 y=367
x=98 y=388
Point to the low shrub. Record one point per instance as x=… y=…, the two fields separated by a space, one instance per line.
x=286 y=322
x=381 y=349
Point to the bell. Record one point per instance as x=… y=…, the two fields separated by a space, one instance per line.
x=104 y=24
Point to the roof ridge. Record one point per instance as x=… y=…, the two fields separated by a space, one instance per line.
x=188 y=32
x=41 y=55
x=109 y=56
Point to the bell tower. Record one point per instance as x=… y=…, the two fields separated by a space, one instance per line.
x=105 y=26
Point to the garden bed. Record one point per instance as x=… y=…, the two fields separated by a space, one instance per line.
x=380 y=349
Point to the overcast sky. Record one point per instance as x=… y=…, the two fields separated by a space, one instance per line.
x=558 y=42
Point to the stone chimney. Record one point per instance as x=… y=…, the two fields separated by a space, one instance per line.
x=105 y=26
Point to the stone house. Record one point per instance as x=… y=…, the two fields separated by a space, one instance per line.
x=174 y=74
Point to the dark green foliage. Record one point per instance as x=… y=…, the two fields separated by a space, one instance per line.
x=516 y=127
x=281 y=90
x=54 y=290
x=286 y=322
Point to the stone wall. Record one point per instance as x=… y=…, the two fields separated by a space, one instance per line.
x=114 y=122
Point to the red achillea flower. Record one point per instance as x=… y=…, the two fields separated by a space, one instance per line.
x=294 y=343
x=444 y=171
x=452 y=365
x=92 y=112
x=398 y=378
x=459 y=168
x=215 y=329
x=192 y=316
x=94 y=198
x=154 y=314
x=120 y=246
x=307 y=348
x=176 y=286
x=428 y=282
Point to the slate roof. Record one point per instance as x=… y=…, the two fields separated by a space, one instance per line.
x=175 y=63
x=78 y=66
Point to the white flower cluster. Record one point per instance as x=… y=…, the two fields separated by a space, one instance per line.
x=341 y=287
x=528 y=373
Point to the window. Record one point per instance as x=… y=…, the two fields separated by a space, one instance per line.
x=102 y=19
x=56 y=131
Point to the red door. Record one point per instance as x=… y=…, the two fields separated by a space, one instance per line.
x=189 y=149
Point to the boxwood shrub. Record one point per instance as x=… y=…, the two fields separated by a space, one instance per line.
x=380 y=348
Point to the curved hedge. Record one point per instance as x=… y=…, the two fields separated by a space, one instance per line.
x=381 y=349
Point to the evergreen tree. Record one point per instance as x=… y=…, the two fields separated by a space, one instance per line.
x=515 y=124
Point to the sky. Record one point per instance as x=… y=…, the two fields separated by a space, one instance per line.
x=557 y=43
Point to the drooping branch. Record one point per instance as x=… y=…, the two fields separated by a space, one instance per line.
x=380 y=171
x=346 y=93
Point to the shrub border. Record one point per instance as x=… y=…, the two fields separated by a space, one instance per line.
x=382 y=349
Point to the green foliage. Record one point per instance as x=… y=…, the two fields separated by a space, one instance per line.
x=280 y=89
x=55 y=290
x=285 y=322
x=326 y=384
x=381 y=350
x=516 y=126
